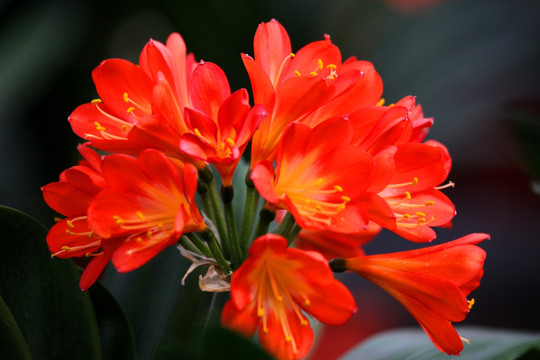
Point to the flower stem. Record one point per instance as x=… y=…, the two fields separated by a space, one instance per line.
x=227 y=194
x=213 y=202
x=200 y=244
x=265 y=218
x=293 y=233
x=188 y=245
x=286 y=225
x=252 y=200
x=211 y=240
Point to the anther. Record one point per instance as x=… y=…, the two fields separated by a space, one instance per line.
x=98 y=126
x=415 y=181
x=338 y=188
x=57 y=219
x=230 y=142
x=197 y=132
x=408 y=195
x=95 y=101
x=471 y=303
x=130 y=110
x=421 y=214
x=331 y=66
x=118 y=219
x=65 y=248
x=320 y=63
x=345 y=198
x=307 y=302
x=140 y=215
x=69 y=232
x=429 y=203
x=70 y=224
x=297 y=73
x=319 y=182
x=380 y=102
x=149 y=234
x=126 y=98
x=313 y=73
x=292 y=55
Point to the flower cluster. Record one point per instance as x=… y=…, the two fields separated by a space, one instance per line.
x=331 y=165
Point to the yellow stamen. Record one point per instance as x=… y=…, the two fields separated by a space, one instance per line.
x=70 y=224
x=126 y=97
x=292 y=55
x=297 y=73
x=345 y=198
x=95 y=101
x=313 y=73
x=320 y=63
x=380 y=102
x=429 y=203
x=421 y=214
x=197 y=132
x=140 y=215
x=408 y=195
x=98 y=126
x=471 y=303
x=338 y=188
x=65 y=248
x=414 y=181
x=149 y=233
x=57 y=219
x=118 y=219
x=230 y=142
x=130 y=110
x=331 y=66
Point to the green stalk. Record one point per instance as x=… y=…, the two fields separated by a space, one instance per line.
x=188 y=245
x=265 y=219
x=252 y=200
x=227 y=195
x=293 y=233
x=212 y=201
x=286 y=225
x=200 y=244
x=211 y=240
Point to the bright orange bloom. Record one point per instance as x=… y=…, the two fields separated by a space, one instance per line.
x=274 y=287
x=310 y=86
x=149 y=202
x=71 y=196
x=317 y=178
x=140 y=106
x=431 y=283
x=220 y=124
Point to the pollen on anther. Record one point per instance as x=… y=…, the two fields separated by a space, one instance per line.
x=415 y=181
x=230 y=142
x=98 y=126
x=65 y=248
x=320 y=63
x=313 y=73
x=95 y=101
x=408 y=195
x=421 y=214
x=118 y=219
x=331 y=66
x=292 y=55
x=57 y=219
x=297 y=73
x=380 y=102
x=197 y=132
x=130 y=110
x=471 y=303
x=140 y=215
x=338 y=188
x=126 y=98
x=345 y=198
x=70 y=224
x=429 y=203
x=149 y=234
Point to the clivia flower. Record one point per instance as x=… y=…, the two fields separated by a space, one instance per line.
x=275 y=287
x=317 y=177
x=310 y=85
x=432 y=283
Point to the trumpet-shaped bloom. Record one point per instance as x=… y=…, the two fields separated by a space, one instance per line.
x=311 y=85
x=317 y=178
x=221 y=125
x=275 y=287
x=149 y=201
x=431 y=283
x=71 y=196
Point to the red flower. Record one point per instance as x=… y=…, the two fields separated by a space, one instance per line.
x=431 y=283
x=149 y=201
x=272 y=290
x=71 y=196
x=317 y=178
x=140 y=106
x=311 y=85
x=220 y=124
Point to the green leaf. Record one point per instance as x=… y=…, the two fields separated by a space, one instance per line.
x=485 y=344
x=12 y=343
x=116 y=335
x=55 y=317
x=224 y=344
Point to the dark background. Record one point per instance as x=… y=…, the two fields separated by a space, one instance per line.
x=474 y=66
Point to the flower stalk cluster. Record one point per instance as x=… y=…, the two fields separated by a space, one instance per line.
x=331 y=165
